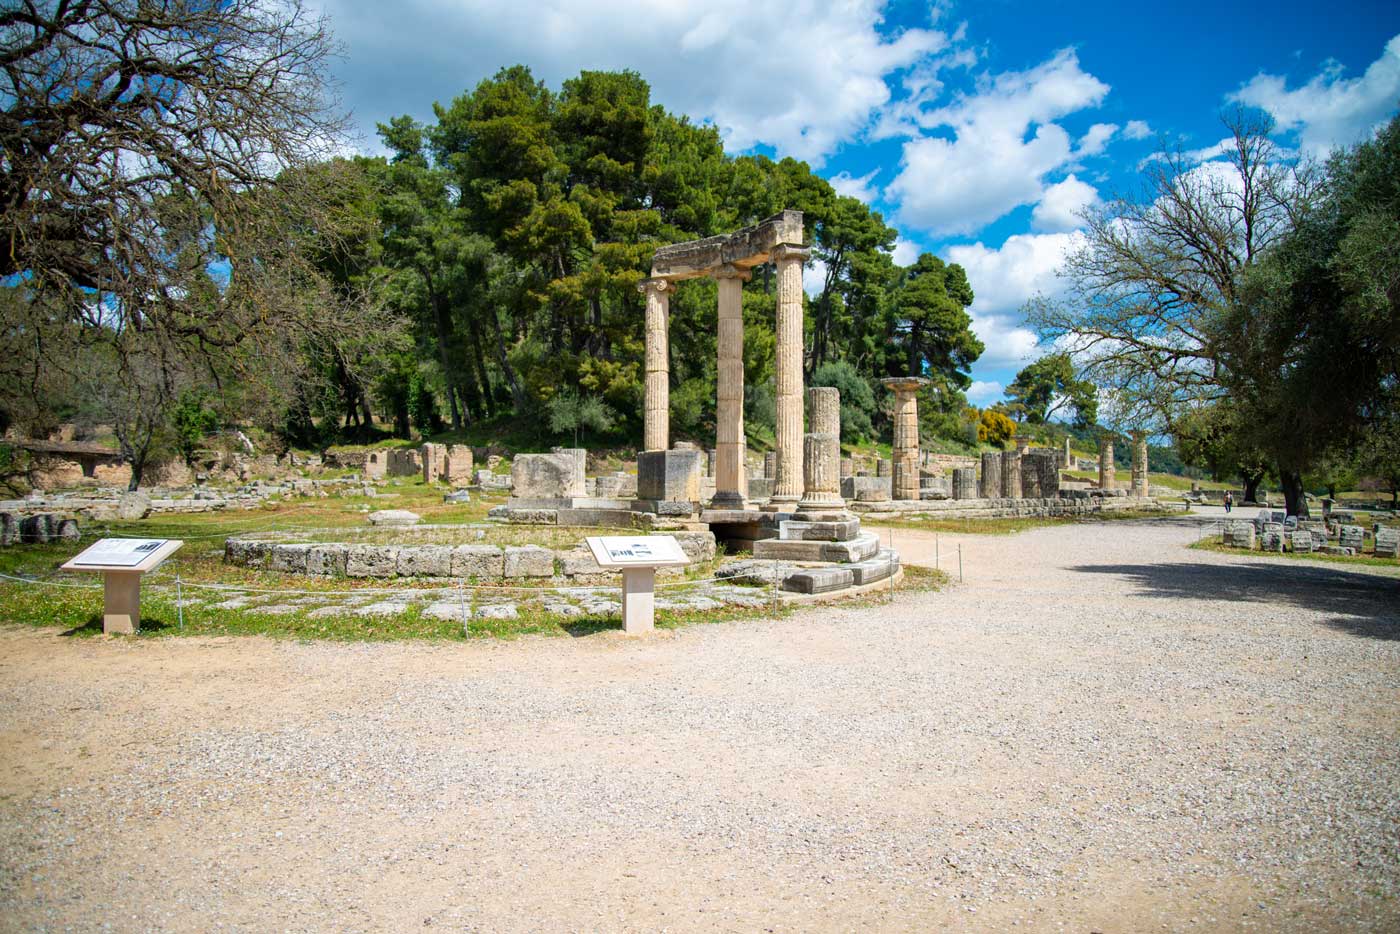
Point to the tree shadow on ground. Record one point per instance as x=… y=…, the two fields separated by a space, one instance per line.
x=592 y=625
x=93 y=627
x=1367 y=604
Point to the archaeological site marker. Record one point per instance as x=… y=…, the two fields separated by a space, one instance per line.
x=122 y=561
x=638 y=557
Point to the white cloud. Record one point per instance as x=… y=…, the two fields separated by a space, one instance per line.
x=906 y=252
x=1330 y=110
x=1210 y=152
x=803 y=76
x=1008 y=342
x=1137 y=129
x=1063 y=202
x=1025 y=265
x=1093 y=142
x=984 y=392
x=813 y=277
x=853 y=186
x=1004 y=143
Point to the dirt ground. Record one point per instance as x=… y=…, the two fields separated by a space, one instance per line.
x=1098 y=730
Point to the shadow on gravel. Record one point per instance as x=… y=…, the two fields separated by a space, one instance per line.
x=1368 y=605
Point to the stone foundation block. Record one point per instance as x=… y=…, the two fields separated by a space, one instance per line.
x=288 y=559
x=669 y=476
x=558 y=474
x=326 y=560
x=1352 y=536
x=371 y=560
x=866 y=489
x=1301 y=541
x=483 y=561
x=528 y=561
x=1387 y=543
x=798 y=531
x=884 y=564
x=579 y=561
x=425 y=561
x=1239 y=534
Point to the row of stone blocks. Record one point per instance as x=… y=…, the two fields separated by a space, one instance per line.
x=1274 y=537
x=880 y=565
x=483 y=562
x=38 y=529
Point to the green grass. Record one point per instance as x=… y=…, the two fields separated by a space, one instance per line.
x=1002 y=526
x=1215 y=545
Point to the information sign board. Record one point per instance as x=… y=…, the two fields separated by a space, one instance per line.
x=118 y=553
x=623 y=551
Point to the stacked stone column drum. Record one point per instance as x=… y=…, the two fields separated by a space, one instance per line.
x=1011 y=475
x=787 y=477
x=730 y=486
x=906 y=435
x=656 y=410
x=1139 y=464
x=1108 y=476
x=990 y=484
x=821 y=453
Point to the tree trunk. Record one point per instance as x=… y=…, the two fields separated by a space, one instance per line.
x=517 y=395
x=443 y=326
x=1251 y=486
x=479 y=359
x=1295 y=502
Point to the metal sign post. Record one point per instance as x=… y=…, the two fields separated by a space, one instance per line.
x=637 y=557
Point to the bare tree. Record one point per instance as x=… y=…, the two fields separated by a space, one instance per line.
x=1156 y=267
x=143 y=140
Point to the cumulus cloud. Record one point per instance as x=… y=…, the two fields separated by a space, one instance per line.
x=1330 y=110
x=802 y=77
x=984 y=392
x=1093 y=142
x=1004 y=142
x=906 y=252
x=1063 y=202
x=855 y=186
x=1136 y=129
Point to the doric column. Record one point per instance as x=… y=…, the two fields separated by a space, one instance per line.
x=730 y=486
x=1140 y=463
x=989 y=487
x=821 y=452
x=656 y=407
x=905 y=484
x=1011 y=474
x=787 y=479
x=1108 y=476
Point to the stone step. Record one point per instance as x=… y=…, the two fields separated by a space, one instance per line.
x=863 y=546
x=797 y=530
x=875 y=569
x=818 y=580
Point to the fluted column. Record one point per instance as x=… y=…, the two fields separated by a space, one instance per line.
x=1108 y=476
x=787 y=480
x=656 y=406
x=905 y=483
x=1140 y=463
x=730 y=486
x=821 y=452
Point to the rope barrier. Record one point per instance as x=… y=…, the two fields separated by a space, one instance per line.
x=31 y=580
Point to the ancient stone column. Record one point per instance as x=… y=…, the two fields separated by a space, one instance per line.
x=1107 y=475
x=964 y=483
x=787 y=474
x=821 y=452
x=1068 y=462
x=1030 y=472
x=1140 y=463
x=656 y=408
x=989 y=487
x=1050 y=476
x=731 y=488
x=905 y=484
x=1011 y=475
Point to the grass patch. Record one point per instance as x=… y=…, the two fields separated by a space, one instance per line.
x=1003 y=526
x=1215 y=545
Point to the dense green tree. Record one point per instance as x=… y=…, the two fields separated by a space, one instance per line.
x=934 y=327
x=1049 y=385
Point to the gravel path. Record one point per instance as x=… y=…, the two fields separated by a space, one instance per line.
x=1099 y=730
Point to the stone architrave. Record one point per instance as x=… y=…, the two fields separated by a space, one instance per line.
x=1011 y=474
x=656 y=411
x=906 y=435
x=989 y=487
x=964 y=483
x=1108 y=476
x=1140 y=464
x=730 y=485
x=787 y=479
x=821 y=453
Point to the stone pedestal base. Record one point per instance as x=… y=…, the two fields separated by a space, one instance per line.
x=638 y=600
x=121 y=602
x=669 y=476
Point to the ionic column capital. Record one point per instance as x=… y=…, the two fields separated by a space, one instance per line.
x=790 y=251
x=730 y=271
x=905 y=384
x=653 y=285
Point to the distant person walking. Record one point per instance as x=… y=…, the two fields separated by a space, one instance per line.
x=1229 y=501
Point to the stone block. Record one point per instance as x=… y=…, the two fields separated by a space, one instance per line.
x=371 y=560
x=884 y=564
x=1301 y=541
x=394 y=518
x=1387 y=543
x=556 y=475
x=760 y=488
x=66 y=530
x=9 y=528
x=132 y=506
x=964 y=483
x=669 y=476
x=579 y=561
x=697 y=546
x=36 y=530
x=425 y=561
x=376 y=465
x=1239 y=534
x=1272 y=541
x=799 y=531
x=866 y=489
x=608 y=518
x=528 y=561
x=288 y=559
x=858 y=549
x=482 y=561
x=818 y=580
x=1352 y=536
x=326 y=560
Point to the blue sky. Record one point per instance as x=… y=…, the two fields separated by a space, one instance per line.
x=979 y=130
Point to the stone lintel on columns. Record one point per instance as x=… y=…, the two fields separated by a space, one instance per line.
x=747 y=247
x=730 y=271
x=901 y=384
